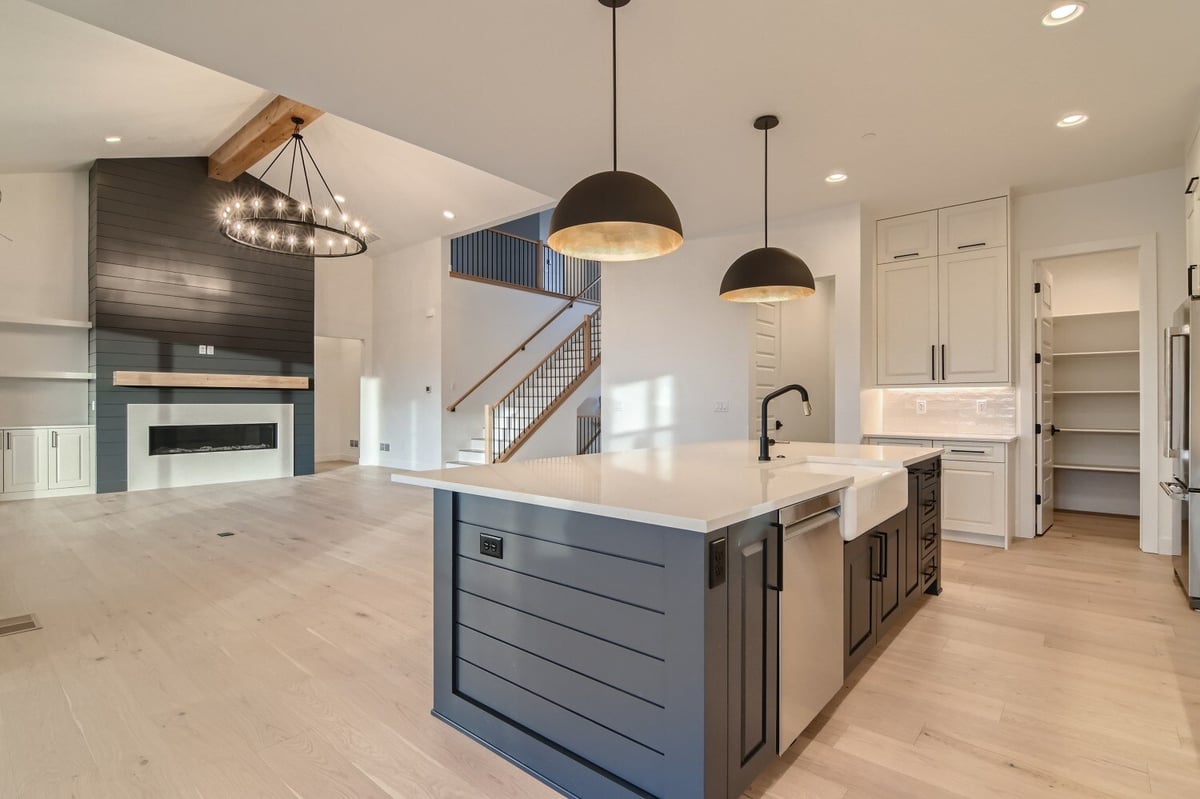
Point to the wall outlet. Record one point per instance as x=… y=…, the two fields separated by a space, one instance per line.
x=212 y=350
x=980 y=406
x=721 y=406
x=385 y=447
x=922 y=406
x=354 y=443
x=203 y=350
x=716 y=563
x=491 y=545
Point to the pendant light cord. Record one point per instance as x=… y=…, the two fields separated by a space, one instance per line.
x=766 y=174
x=614 y=85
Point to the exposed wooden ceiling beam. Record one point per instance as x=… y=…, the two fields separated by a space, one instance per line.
x=260 y=136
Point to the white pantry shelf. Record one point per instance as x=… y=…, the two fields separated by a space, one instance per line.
x=1100 y=391
x=1095 y=352
x=47 y=376
x=1113 y=430
x=30 y=321
x=1077 y=467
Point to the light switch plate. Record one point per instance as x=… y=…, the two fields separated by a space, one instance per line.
x=721 y=406
x=980 y=406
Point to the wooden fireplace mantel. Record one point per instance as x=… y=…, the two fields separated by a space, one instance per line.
x=205 y=380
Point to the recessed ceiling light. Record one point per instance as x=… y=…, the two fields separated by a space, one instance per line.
x=339 y=198
x=1071 y=120
x=448 y=214
x=837 y=177
x=112 y=139
x=1062 y=13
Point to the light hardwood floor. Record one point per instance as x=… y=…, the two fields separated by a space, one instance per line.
x=293 y=659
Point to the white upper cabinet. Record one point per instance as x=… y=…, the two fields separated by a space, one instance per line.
x=943 y=309
x=973 y=317
x=906 y=237
x=907 y=331
x=973 y=226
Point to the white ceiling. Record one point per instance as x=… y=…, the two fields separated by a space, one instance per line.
x=67 y=85
x=963 y=96
x=398 y=189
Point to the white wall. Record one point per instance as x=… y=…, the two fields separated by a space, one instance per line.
x=343 y=314
x=1099 y=282
x=43 y=273
x=673 y=348
x=337 y=388
x=1141 y=206
x=807 y=357
x=402 y=389
x=481 y=324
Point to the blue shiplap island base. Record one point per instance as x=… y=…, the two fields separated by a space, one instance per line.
x=605 y=655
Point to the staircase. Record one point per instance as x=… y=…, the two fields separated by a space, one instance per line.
x=517 y=415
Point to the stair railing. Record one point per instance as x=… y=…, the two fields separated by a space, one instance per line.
x=587 y=433
x=509 y=423
x=521 y=347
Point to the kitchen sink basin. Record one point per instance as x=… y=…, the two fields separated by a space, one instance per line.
x=877 y=494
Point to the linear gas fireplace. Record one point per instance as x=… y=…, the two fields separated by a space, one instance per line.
x=191 y=438
x=195 y=444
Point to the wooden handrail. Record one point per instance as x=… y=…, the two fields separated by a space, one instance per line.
x=520 y=347
x=574 y=332
x=510 y=235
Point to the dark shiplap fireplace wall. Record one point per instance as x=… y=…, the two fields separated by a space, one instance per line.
x=163 y=281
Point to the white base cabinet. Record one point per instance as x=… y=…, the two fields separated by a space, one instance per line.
x=46 y=462
x=978 y=487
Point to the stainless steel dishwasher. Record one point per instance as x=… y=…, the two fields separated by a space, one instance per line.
x=811 y=611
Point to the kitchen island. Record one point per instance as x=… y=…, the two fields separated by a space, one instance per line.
x=610 y=622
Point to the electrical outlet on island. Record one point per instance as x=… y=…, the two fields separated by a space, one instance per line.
x=980 y=406
x=922 y=406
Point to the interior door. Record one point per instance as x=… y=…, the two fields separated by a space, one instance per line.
x=1044 y=397
x=767 y=346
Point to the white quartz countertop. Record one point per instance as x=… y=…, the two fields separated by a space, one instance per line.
x=700 y=487
x=1002 y=438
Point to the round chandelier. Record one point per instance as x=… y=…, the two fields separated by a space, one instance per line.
x=281 y=224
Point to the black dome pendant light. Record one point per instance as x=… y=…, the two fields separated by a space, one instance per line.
x=615 y=216
x=768 y=274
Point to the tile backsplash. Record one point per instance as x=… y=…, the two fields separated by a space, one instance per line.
x=948 y=411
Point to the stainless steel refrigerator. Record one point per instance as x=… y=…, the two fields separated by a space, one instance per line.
x=1182 y=438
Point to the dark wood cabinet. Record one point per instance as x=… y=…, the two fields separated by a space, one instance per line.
x=888 y=567
x=754 y=563
x=862 y=599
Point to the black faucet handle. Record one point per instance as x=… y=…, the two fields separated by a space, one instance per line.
x=778 y=425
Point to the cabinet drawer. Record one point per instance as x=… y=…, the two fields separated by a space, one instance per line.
x=973 y=226
x=929 y=570
x=927 y=503
x=992 y=452
x=904 y=237
x=881 y=441
x=929 y=536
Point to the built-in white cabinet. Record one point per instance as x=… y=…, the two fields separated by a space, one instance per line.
x=973 y=226
x=70 y=461
x=906 y=237
x=978 y=487
x=945 y=317
x=1191 y=199
x=973 y=320
x=46 y=462
x=908 y=333
x=25 y=467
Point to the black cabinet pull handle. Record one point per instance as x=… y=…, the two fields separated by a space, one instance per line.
x=876 y=577
x=969 y=451
x=883 y=558
x=1191 y=187
x=905 y=255
x=943 y=361
x=1191 y=281
x=969 y=246
x=933 y=362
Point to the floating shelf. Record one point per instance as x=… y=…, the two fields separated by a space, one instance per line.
x=44 y=322
x=205 y=380
x=1074 y=467
x=1101 y=391
x=1096 y=352
x=1114 y=431
x=47 y=376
